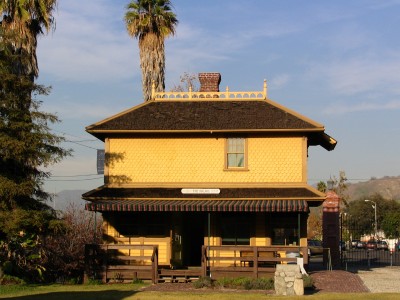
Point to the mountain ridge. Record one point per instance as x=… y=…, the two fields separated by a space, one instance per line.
x=387 y=186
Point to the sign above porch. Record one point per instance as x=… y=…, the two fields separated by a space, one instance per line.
x=200 y=191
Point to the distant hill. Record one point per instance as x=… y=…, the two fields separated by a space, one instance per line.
x=68 y=197
x=388 y=187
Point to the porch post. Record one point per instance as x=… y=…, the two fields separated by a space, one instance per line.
x=208 y=243
x=298 y=229
x=95 y=226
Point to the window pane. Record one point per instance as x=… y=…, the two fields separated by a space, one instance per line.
x=240 y=160
x=284 y=236
x=231 y=160
x=230 y=145
x=240 y=145
x=235 y=232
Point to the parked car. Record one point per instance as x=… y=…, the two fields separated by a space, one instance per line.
x=342 y=246
x=382 y=245
x=358 y=244
x=361 y=245
x=315 y=247
x=372 y=245
x=354 y=243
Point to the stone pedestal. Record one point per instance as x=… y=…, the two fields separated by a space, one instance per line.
x=331 y=228
x=288 y=280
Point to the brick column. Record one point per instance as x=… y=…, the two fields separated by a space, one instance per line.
x=331 y=227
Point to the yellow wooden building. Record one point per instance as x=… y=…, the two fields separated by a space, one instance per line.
x=190 y=170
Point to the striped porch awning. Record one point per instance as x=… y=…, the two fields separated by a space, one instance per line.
x=200 y=205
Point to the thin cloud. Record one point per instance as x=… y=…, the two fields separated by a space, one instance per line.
x=279 y=81
x=366 y=73
x=379 y=4
x=74 y=110
x=361 y=107
x=81 y=50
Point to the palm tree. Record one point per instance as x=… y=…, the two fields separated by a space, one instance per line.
x=23 y=21
x=151 y=22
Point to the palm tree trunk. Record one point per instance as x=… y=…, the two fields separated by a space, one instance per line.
x=152 y=63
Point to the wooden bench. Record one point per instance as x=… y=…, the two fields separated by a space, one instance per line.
x=249 y=258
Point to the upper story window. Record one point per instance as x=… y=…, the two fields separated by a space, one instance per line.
x=235 y=154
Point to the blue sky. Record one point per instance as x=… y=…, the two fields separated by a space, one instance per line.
x=336 y=62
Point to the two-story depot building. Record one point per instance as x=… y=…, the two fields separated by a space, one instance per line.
x=200 y=175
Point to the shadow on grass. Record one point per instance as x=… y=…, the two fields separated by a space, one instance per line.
x=97 y=295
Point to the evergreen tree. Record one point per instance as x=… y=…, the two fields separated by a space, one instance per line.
x=27 y=147
x=27 y=143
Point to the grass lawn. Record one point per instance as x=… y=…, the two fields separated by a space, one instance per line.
x=131 y=291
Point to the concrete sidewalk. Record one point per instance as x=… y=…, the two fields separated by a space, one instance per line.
x=381 y=280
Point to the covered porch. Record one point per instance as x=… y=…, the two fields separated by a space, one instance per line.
x=228 y=233
x=110 y=263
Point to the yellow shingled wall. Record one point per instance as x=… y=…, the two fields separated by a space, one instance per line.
x=198 y=160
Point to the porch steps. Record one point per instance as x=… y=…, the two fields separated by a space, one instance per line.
x=179 y=275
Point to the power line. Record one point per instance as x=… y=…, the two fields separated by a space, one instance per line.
x=87 y=179
x=79 y=175
x=78 y=141
x=81 y=144
x=82 y=141
x=94 y=140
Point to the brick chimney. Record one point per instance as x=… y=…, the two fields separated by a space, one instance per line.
x=209 y=82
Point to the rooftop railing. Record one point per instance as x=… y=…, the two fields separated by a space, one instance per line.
x=227 y=95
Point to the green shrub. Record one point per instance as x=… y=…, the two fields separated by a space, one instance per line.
x=203 y=282
x=7 y=267
x=74 y=280
x=223 y=282
x=137 y=281
x=308 y=282
x=246 y=283
x=92 y=281
x=240 y=282
x=11 y=280
x=259 y=284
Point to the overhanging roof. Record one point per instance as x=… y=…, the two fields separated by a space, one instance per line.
x=264 y=193
x=261 y=199
x=190 y=116
x=200 y=205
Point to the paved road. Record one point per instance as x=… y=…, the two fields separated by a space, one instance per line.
x=381 y=280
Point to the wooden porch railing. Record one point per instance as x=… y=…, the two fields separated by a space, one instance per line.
x=121 y=262
x=253 y=261
x=107 y=262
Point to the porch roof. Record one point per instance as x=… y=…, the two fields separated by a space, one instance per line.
x=200 y=205
x=257 y=199
x=303 y=192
